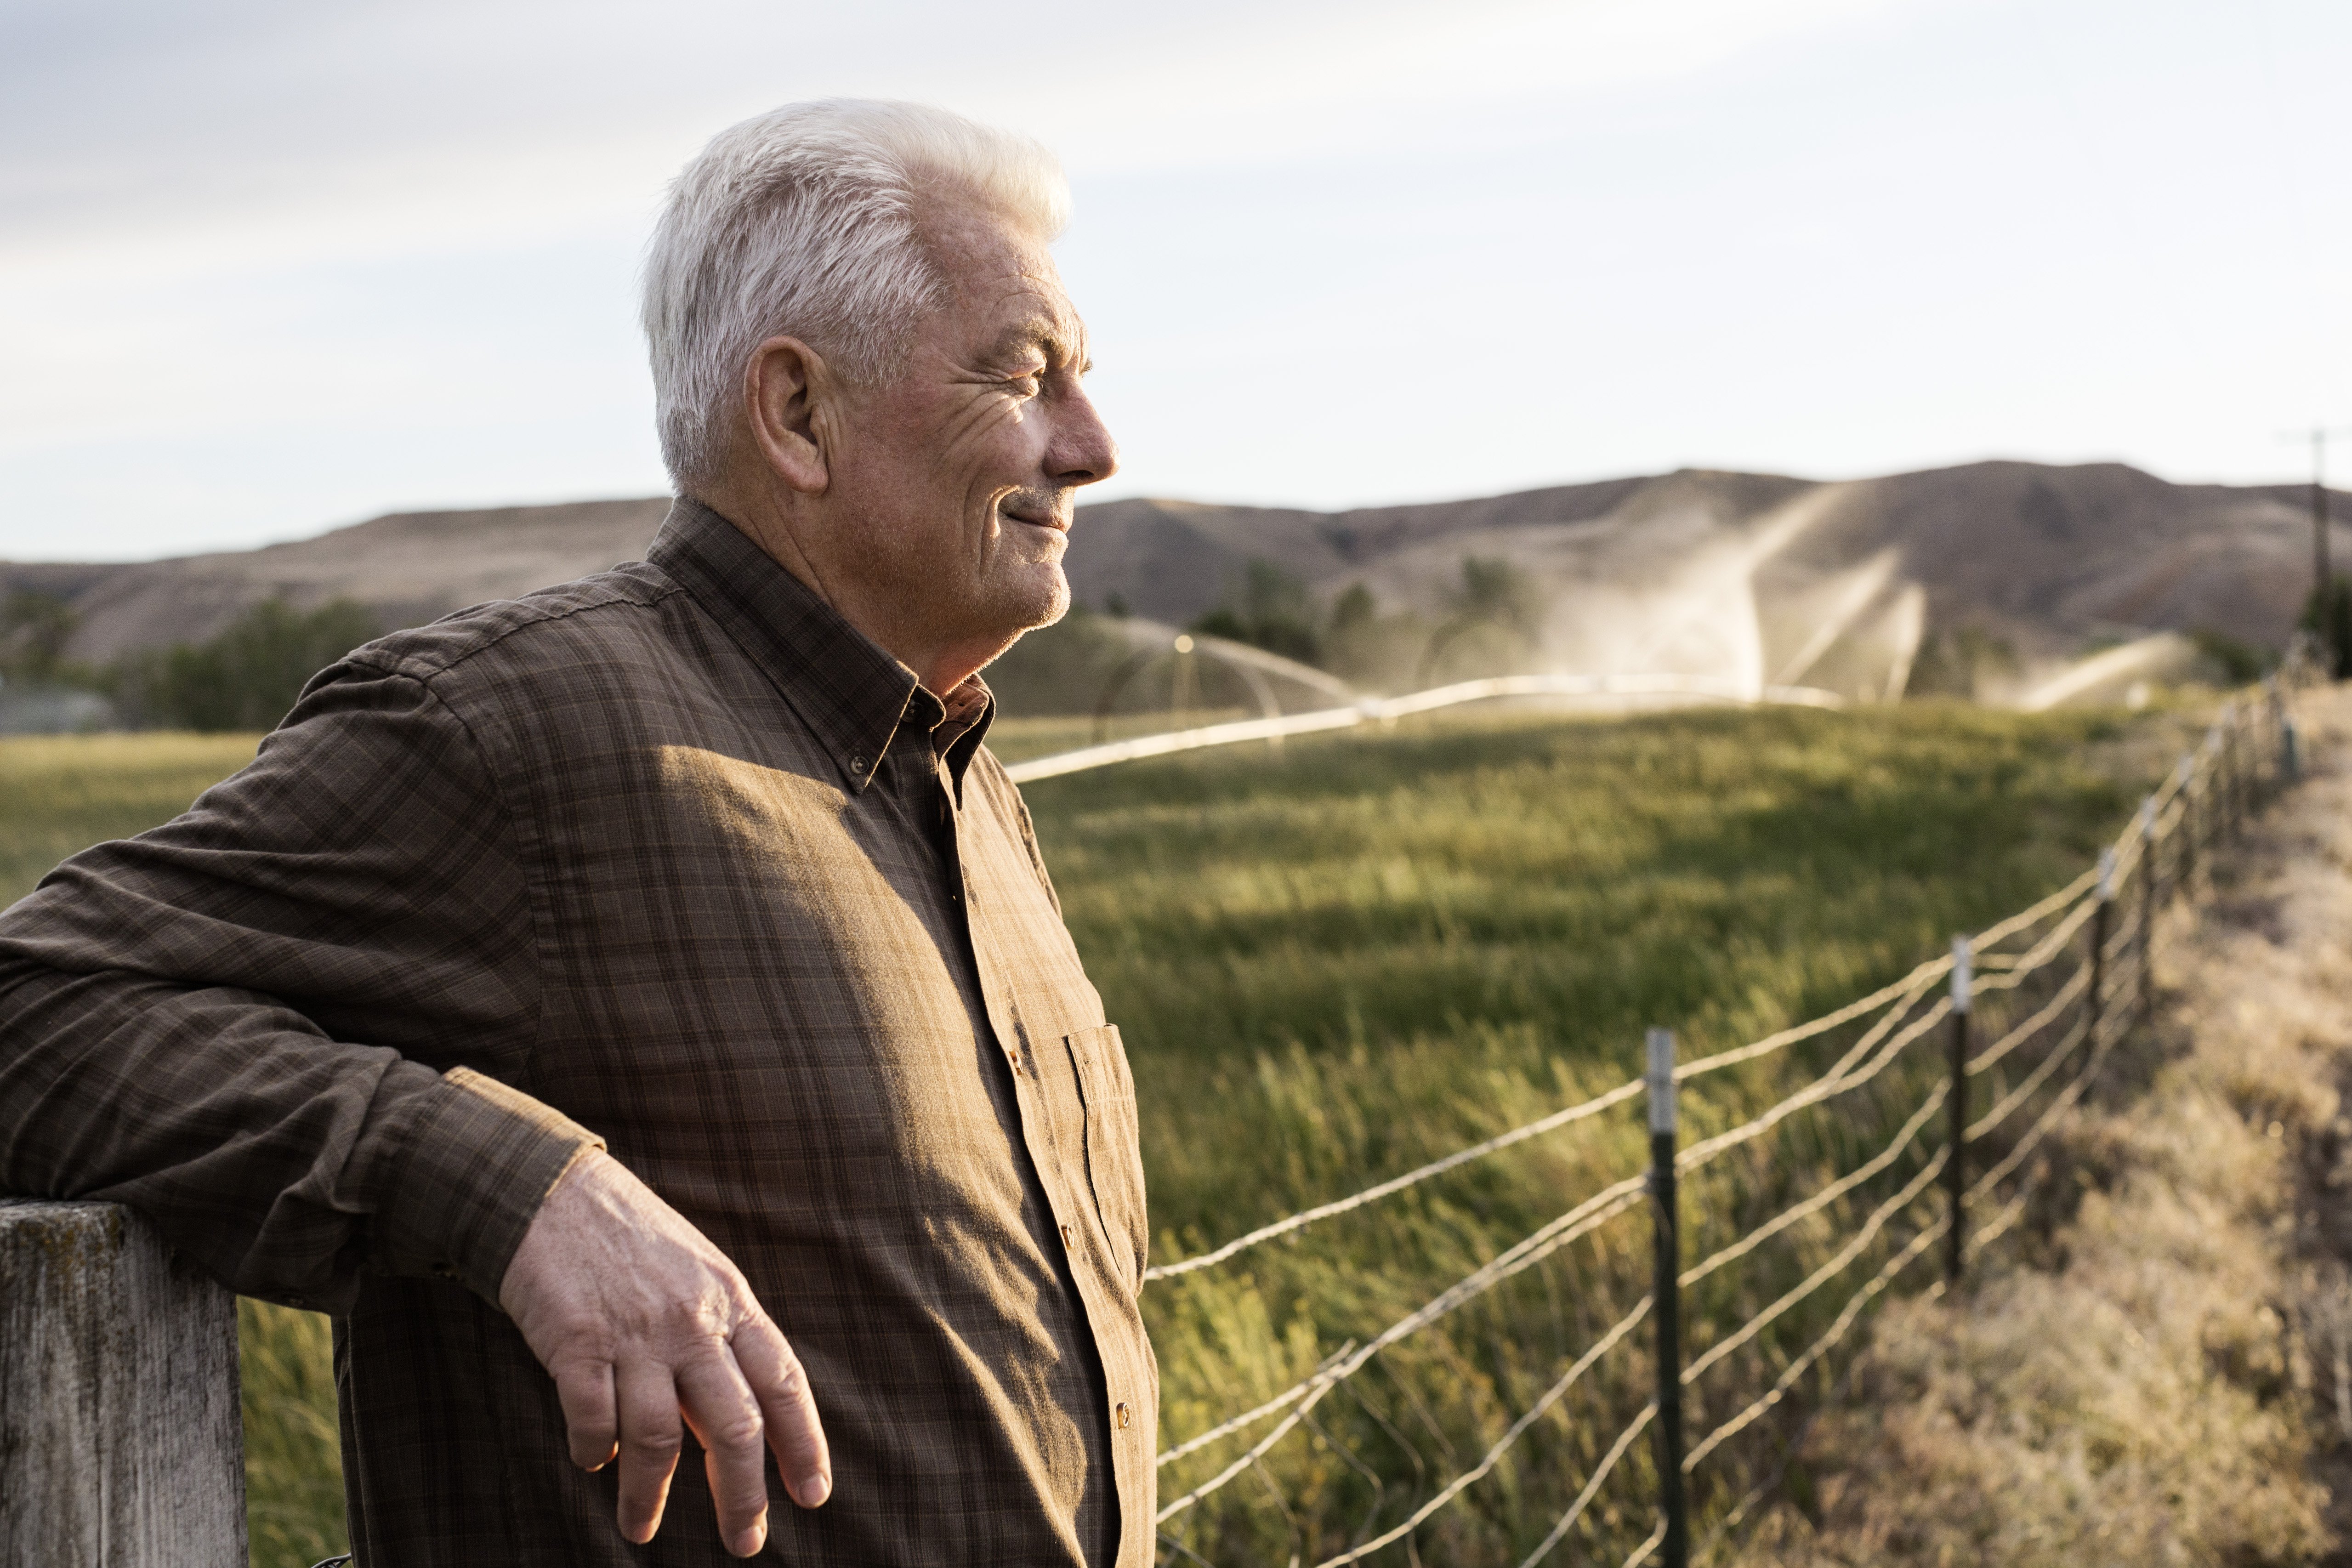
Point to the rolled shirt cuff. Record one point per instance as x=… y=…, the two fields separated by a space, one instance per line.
x=479 y=1163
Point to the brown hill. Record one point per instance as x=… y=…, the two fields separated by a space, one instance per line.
x=1776 y=578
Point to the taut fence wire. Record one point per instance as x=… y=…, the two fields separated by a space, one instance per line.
x=2050 y=992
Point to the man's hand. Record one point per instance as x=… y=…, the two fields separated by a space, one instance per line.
x=641 y=1321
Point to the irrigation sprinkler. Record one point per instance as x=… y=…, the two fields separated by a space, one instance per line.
x=1955 y=1175
x=1675 y=1549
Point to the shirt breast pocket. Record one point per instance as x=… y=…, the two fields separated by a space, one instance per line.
x=1114 y=1144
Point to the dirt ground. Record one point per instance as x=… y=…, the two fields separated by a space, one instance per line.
x=2157 y=1367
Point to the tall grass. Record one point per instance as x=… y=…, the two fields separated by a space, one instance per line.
x=1333 y=960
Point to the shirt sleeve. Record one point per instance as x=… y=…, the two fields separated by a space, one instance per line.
x=286 y=1026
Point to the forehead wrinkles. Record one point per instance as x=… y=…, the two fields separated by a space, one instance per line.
x=1004 y=280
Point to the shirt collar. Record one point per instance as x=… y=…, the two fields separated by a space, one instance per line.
x=849 y=692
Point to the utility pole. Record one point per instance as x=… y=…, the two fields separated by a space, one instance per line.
x=2323 y=576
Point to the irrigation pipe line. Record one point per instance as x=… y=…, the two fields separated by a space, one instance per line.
x=1534 y=1413
x=1375 y=710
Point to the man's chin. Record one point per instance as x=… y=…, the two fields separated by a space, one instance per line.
x=1040 y=598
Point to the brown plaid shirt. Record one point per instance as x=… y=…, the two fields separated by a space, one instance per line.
x=672 y=859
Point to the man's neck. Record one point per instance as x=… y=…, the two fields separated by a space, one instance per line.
x=940 y=669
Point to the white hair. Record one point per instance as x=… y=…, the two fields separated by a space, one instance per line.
x=802 y=222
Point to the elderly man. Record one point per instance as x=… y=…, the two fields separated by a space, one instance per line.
x=639 y=1012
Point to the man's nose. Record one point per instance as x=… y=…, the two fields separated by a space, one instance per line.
x=1082 y=452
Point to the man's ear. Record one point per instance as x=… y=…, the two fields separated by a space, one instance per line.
x=790 y=398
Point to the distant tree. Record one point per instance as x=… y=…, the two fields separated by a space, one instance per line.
x=1352 y=611
x=1498 y=592
x=247 y=677
x=1369 y=649
x=1498 y=602
x=1959 y=662
x=1275 y=614
x=34 y=629
x=2329 y=619
x=2238 y=661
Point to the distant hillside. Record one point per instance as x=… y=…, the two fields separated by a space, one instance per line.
x=409 y=567
x=1780 y=579
x=2051 y=559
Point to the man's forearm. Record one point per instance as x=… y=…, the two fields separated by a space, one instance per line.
x=285 y=1163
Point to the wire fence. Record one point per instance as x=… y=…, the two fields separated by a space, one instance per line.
x=1826 y=1176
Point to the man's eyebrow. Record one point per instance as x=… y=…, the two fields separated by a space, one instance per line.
x=1039 y=334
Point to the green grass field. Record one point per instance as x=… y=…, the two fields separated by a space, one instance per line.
x=1336 y=959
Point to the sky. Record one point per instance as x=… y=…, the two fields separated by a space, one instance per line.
x=269 y=268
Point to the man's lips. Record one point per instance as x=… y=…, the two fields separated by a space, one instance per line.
x=1054 y=520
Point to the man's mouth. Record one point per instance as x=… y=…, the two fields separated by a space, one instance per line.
x=1034 y=515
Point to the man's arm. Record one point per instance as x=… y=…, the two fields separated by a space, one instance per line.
x=280 y=1026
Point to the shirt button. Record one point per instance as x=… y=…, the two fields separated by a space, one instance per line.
x=858 y=763
x=1123 y=1416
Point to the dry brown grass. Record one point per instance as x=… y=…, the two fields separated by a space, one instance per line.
x=2159 y=1370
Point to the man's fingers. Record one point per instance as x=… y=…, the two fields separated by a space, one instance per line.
x=726 y=1419
x=782 y=1388
x=590 y=1416
x=650 y=1440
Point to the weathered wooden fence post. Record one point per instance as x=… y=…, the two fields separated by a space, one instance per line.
x=1956 y=1165
x=119 y=1446
x=1674 y=1551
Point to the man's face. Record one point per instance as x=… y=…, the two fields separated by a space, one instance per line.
x=961 y=471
